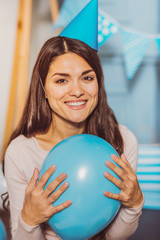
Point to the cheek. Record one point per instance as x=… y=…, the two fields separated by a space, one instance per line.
x=55 y=94
x=93 y=90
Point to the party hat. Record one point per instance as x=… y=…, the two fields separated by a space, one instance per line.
x=84 y=26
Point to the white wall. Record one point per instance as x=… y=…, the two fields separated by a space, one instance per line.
x=41 y=30
x=8 y=17
x=134 y=102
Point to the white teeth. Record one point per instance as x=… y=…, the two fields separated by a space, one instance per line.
x=75 y=103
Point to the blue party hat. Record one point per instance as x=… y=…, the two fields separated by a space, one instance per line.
x=84 y=26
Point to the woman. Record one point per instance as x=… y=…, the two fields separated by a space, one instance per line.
x=66 y=98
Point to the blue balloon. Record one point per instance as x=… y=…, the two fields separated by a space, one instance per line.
x=2 y=231
x=82 y=157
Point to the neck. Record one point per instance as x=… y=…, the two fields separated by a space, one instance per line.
x=58 y=131
x=61 y=131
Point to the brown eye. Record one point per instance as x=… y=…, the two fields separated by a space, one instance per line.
x=61 y=81
x=88 y=78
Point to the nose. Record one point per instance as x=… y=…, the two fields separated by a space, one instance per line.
x=76 y=89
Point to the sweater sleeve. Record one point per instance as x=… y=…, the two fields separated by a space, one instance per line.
x=16 y=184
x=126 y=221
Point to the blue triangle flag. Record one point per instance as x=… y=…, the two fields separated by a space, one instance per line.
x=134 y=48
x=67 y=12
x=84 y=26
x=106 y=28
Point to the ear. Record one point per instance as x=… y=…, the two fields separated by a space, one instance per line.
x=46 y=95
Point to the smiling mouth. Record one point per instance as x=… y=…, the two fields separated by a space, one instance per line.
x=76 y=105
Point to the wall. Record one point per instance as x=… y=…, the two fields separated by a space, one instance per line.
x=41 y=31
x=135 y=103
x=8 y=16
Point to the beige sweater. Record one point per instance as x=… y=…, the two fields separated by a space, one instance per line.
x=23 y=156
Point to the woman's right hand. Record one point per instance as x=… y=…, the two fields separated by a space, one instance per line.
x=37 y=206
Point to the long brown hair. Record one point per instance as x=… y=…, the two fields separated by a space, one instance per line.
x=102 y=122
x=37 y=115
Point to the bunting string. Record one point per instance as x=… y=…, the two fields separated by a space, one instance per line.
x=134 y=43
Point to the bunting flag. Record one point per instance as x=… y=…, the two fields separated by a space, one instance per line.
x=106 y=28
x=158 y=43
x=148 y=174
x=134 y=48
x=68 y=11
x=134 y=43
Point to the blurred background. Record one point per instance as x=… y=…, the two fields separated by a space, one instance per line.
x=129 y=49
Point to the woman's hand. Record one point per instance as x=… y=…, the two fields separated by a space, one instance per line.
x=37 y=206
x=130 y=195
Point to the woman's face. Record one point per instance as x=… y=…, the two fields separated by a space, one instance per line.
x=71 y=88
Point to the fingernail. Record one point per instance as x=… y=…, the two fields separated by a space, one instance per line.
x=108 y=163
x=113 y=156
x=106 y=174
x=69 y=202
x=106 y=194
x=63 y=175
x=66 y=184
x=53 y=167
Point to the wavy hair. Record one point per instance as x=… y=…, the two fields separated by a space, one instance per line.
x=37 y=114
x=102 y=122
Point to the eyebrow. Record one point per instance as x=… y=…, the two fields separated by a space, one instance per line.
x=67 y=75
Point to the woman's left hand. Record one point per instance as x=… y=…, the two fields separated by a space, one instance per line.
x=130 y=195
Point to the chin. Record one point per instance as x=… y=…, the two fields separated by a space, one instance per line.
x=77 y=120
